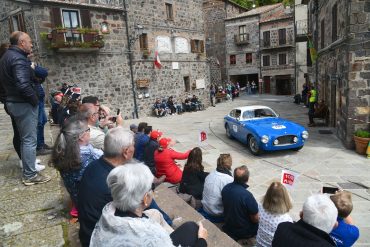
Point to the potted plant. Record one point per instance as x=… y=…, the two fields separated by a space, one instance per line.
x=92 y=31
x=46 y=36
x=61 y=29
x=362 y=139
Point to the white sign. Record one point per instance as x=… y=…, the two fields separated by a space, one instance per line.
x=235 y=128
x=200 y=83
x=278 y=127
x=288 y=178
x=175 y=65
x=163 y=44
x=181 y=45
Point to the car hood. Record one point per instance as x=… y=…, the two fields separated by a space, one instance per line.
x=274 y=126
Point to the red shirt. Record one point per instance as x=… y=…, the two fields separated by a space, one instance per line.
x=165 y=164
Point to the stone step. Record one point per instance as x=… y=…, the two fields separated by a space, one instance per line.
x=171 y=203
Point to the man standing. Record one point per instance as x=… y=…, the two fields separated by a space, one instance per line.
x=22 y=101
x=311 y=105
x=240 y=207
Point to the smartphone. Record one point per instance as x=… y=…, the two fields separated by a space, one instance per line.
x=118 y=111
x=329 y=190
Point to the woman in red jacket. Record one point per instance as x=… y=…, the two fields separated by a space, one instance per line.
x=165 y=164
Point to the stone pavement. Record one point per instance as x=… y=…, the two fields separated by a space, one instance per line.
x=34 y=216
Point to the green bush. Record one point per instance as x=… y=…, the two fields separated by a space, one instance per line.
x=362 y=133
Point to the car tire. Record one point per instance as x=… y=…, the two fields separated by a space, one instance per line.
x=228 y=133
x=298 y=148
x=253 y=146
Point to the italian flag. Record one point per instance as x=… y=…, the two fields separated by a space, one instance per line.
x=157 y=62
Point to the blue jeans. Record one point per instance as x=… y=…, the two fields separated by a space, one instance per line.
x=154 y=205
x=25 y=116
x=42 y=119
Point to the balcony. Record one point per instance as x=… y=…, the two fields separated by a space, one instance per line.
x=241 y=39
x=106 y=4
x=280 y=44
x=301 y=30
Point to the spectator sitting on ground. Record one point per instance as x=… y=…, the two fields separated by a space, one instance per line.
x=151 y=146
x=93 y=192
x=346 y=234
x=195 y=103
x=187 y=104
x=213 y=209
x=157 y=108
x=133 y=128
x=141 y=139
x=71 y=155
x=124 y=222
x=171 y=105
x=274 y=210
x=318 y=218
x=193 y=176
x=240 y=207
x=165 y=164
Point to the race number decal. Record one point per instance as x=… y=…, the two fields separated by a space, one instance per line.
x=278 y=127
x=235 y=128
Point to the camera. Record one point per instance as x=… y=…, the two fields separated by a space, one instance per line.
x=329 y=190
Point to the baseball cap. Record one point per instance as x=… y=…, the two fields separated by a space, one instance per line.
x=164 y=142
x=155 y=134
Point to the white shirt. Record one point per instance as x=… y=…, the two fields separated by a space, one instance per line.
x=267 y=226
x=213 y=185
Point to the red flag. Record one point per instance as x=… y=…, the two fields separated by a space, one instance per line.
x=157 y=62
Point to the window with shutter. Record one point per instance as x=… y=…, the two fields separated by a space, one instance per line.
x=266 y=60
x=248 y=58
x=282 y=36
x=282 y=59
x=71 y=20
x=17 y=23
x=266 y=38
x=232 y=59
x=197 y=46
x=143 y=38
x=169 y=11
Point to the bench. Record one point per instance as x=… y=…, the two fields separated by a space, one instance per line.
x=220 y=97
x=171 y=203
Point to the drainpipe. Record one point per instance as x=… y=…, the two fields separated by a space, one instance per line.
x=260 y=57
x=130 y=59
x=316 y=6
x=295 y=51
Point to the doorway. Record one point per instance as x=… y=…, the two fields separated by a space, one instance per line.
x=187 y=83
x=266 y=84
x=283 y=85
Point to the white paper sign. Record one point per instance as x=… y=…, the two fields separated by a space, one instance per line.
x=164 y=44
x=175 y=65
x=181 y=45
x=200 y=83
x=289 y=178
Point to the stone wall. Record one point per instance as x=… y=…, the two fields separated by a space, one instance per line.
x=343 y=65
x=106 y=73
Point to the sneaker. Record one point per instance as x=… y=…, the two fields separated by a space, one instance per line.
x=43 y=151
x=37 y=179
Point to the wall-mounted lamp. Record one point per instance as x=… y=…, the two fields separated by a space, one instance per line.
x=104 y=27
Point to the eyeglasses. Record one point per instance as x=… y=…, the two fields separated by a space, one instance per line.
x=87 y=130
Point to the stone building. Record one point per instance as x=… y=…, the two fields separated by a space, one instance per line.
x=99 y=61
x=215 y=13
x=246 y=47
x=341 y=72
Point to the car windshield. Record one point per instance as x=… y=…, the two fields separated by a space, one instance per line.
x=258 y=113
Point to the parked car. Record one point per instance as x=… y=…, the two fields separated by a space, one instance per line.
x=262 y=129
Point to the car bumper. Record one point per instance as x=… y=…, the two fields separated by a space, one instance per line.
x=271 y=147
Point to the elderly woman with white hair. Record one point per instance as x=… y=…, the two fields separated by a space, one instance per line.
x=124 y=221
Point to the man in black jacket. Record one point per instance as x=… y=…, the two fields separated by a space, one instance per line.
x=16 y=76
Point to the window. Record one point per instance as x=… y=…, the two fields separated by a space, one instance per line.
x=248 y=58
x=266 y=60
x=243 y=36
x=282 y=59
x=266 y=38
x=232 y=59
x=322 y=34
x=334 y=22
x=169 y=11
x=282 y=36
x=16 y=23
x=71 y=20
x=143 y=41
x=197 y=46
x=187 y=83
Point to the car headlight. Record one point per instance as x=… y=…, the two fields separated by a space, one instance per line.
x=295 y=139
x=276 y=142
x=265 y=139
x=305 y=134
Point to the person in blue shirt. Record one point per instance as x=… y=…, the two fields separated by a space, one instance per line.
x=346 y=234
x=240 y=207
x=141 y=139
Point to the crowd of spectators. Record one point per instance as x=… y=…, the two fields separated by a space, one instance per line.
x=170 y=106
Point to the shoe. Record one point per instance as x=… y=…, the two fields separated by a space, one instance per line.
x=43 y=151
x=47 y=147
x=37 y=179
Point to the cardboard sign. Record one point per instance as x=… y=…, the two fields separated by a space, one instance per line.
x=289 y=178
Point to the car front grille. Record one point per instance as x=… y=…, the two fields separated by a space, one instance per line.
x=284 y=140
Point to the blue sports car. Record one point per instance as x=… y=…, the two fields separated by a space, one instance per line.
x=263 y=130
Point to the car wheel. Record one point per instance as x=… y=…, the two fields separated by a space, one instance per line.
x=228 y=133
x=297 y=149
x=253 y=145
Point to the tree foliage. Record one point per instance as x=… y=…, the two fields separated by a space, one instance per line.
x=249 y=3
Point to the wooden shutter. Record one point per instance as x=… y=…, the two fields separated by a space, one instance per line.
x=10 y=24
x=21 y=22
x=86 y=23
x=192 y=45
x=57 y=22
x=201 y=43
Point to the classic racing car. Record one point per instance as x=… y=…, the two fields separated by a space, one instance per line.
x=262 y=129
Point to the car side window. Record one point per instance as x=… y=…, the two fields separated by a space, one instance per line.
x=232 y=113
x=248 y=114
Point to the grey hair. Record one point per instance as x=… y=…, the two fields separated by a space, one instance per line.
x=128 y=184
x=320 y=212
x=115 y=140
x=88 y=109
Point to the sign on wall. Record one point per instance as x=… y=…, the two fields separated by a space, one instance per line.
x=163 y=44
x=175 y=65
x=200 y=83
x=181 y=45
